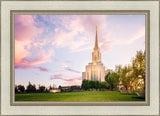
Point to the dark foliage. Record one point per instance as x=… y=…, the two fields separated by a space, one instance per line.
x=90 y=84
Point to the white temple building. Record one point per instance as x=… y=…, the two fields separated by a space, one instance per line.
x=95 y=70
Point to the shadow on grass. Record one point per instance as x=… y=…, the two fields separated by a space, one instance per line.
x=138 y=97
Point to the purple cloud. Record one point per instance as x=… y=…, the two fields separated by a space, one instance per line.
x=26 y=67
x=57 y=60
x=71 y=70
x=61 y=77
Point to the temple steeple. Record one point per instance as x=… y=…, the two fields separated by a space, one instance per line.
x=96 y=40
x=96 y=55
x=95 y=70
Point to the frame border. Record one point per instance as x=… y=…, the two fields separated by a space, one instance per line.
x=81 y=0
x=81 y=12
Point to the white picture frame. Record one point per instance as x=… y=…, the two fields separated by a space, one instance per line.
x=8 y=109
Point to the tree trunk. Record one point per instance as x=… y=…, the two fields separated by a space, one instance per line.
x=127 y=89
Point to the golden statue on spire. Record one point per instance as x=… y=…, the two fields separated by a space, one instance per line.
x=96 y=27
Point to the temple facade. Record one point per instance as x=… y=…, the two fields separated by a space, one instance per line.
x=95 y=70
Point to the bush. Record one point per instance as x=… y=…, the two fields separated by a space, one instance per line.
x=90 y=84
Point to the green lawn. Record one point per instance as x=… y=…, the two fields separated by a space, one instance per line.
x=78 y=96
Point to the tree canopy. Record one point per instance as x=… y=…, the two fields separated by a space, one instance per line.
x=112 y=79
x=90 y=84
x=31 y=88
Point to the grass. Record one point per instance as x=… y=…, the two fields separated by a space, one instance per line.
x=78 y=96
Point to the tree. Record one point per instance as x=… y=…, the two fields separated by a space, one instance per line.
x=112 y=79
x=21 y=88
x=46 y=90
x=118 y=69
x=42 y=89
x=126 y=76
x=50 y=87
x=108 y=80
x=138 y=65
x=115 y=79
x=92 y=84
x=85 y=84
x=31 y=88
x=103 y=85
x=130 y=74
x=97 y=84
x=60 y=87
x=16 y=89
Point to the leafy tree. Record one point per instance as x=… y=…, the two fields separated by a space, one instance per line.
x=31 y=88
x=108 y=79
x=16 y=89
x=112 y=79
x=60 y=87
x=130 y=75
x=115 y=79
x=97 y=84
x=42 y=89
x=85 y=84
x=103 y=85
x=21 y=88
x=92 y=84
x=118 y=69
x=138 y=66
x=126 y=76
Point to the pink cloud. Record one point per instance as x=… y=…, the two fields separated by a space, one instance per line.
x=76 y=81
x=70 y=69
x=25 y=67
x=20 y=51
x=29 y=63
x=78 y=34
x=69 y=80
x=25 y=28
x=60 y=76
x=27 y=54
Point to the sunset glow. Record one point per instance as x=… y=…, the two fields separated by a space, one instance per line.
x=54 y=49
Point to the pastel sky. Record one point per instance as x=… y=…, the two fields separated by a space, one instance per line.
x=54 y=49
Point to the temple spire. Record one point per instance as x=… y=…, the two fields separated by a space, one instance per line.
x=96 y=40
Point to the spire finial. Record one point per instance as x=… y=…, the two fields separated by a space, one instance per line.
x=96 y=27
